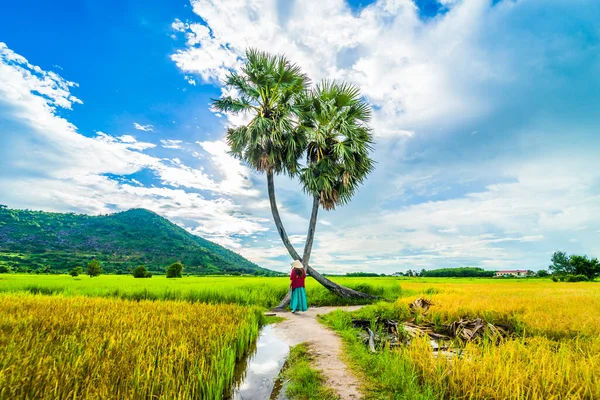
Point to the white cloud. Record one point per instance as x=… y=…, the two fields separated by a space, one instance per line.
x=47 y=164
x=516 y=73
x=297 y=239
x=178 y=25
x=235 y=177
x=145 y=128
x=407 y=68
x=545 y=200
x=171 y=144
x=480 y=67
x=190 y=80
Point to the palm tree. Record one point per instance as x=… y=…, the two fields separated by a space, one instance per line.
x=273 y=90
x=334 y=118
x=267 y=87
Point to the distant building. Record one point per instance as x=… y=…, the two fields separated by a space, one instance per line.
x=512 y=272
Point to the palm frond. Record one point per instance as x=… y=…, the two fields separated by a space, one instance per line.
x=335 y=116
x=267 y=86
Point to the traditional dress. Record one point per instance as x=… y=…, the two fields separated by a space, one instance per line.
x=298 y=301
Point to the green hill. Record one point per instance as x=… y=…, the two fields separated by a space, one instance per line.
x=37 y=240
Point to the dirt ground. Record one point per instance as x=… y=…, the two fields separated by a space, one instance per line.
x=326 y=346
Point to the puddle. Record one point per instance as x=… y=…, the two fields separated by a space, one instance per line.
x=258 y=373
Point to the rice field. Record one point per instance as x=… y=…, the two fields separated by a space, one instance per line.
x=248 y=290
x=57 y=347
x=554 y=352
x=120 y=337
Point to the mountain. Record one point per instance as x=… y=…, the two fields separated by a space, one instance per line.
x=37 y=240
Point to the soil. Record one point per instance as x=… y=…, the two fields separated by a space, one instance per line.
x=326 y=347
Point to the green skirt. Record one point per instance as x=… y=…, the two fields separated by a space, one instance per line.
x=298 y=302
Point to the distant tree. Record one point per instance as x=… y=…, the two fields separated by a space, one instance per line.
x=576 y=278
x=141 y=272
x=362 y=274
x=76 y=271
x=409 y=273
x=582 y=265
x=574 y=265
x=94 y=268
x=423 y=272
x=4 y=269
x=530 y=273
x=465 y=272
x=542 y=273
x=175 y=270
x=560 y=263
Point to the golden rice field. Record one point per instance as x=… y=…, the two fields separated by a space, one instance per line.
x=116 y=337
x=56 y=347
x=554 y=353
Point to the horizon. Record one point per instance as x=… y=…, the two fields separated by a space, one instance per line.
x=485 y=120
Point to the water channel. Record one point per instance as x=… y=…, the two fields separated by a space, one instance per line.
x=257 y=374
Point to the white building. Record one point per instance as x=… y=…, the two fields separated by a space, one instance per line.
x=512 y=272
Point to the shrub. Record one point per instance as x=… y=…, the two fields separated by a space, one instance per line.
x=4 y=269
x=368 y=289
x=175 y=270
x=141 y=272
x=76 y=271
x=542 y=273
x=576 y=278
x=570 y=278
x=94 y=268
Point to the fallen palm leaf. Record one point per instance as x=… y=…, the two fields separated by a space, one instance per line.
x=420 y=305
x=475 y=329
x=393 y=333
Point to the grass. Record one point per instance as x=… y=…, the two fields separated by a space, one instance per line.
x=554 y=353
x=304 y=382
x=247 y=290
x=96 y=348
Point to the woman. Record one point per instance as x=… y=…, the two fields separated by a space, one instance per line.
x=297 y=276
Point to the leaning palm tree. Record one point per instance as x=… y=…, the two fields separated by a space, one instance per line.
x=269 y=88
x=334 y=118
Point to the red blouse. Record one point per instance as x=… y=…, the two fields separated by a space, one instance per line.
x=297 y=281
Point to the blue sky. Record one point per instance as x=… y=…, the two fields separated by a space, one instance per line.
x=486 y=123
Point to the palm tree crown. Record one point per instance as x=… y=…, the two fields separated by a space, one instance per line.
x=334 y=118
x=267 y=86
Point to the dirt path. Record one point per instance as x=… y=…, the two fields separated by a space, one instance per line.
x=327 y=346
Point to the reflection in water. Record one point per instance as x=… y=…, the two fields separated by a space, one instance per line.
x=258 y=373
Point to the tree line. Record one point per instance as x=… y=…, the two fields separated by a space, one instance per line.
x=94 y=268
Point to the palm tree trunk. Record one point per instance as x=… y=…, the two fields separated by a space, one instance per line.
x=282 y=233
x=331 y=286
x=310 y=236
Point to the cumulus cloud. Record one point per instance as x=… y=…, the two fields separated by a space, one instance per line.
x=234 y=177
x=470 y=109
x=48 y=164
x=485 y=118
x=406 y=68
